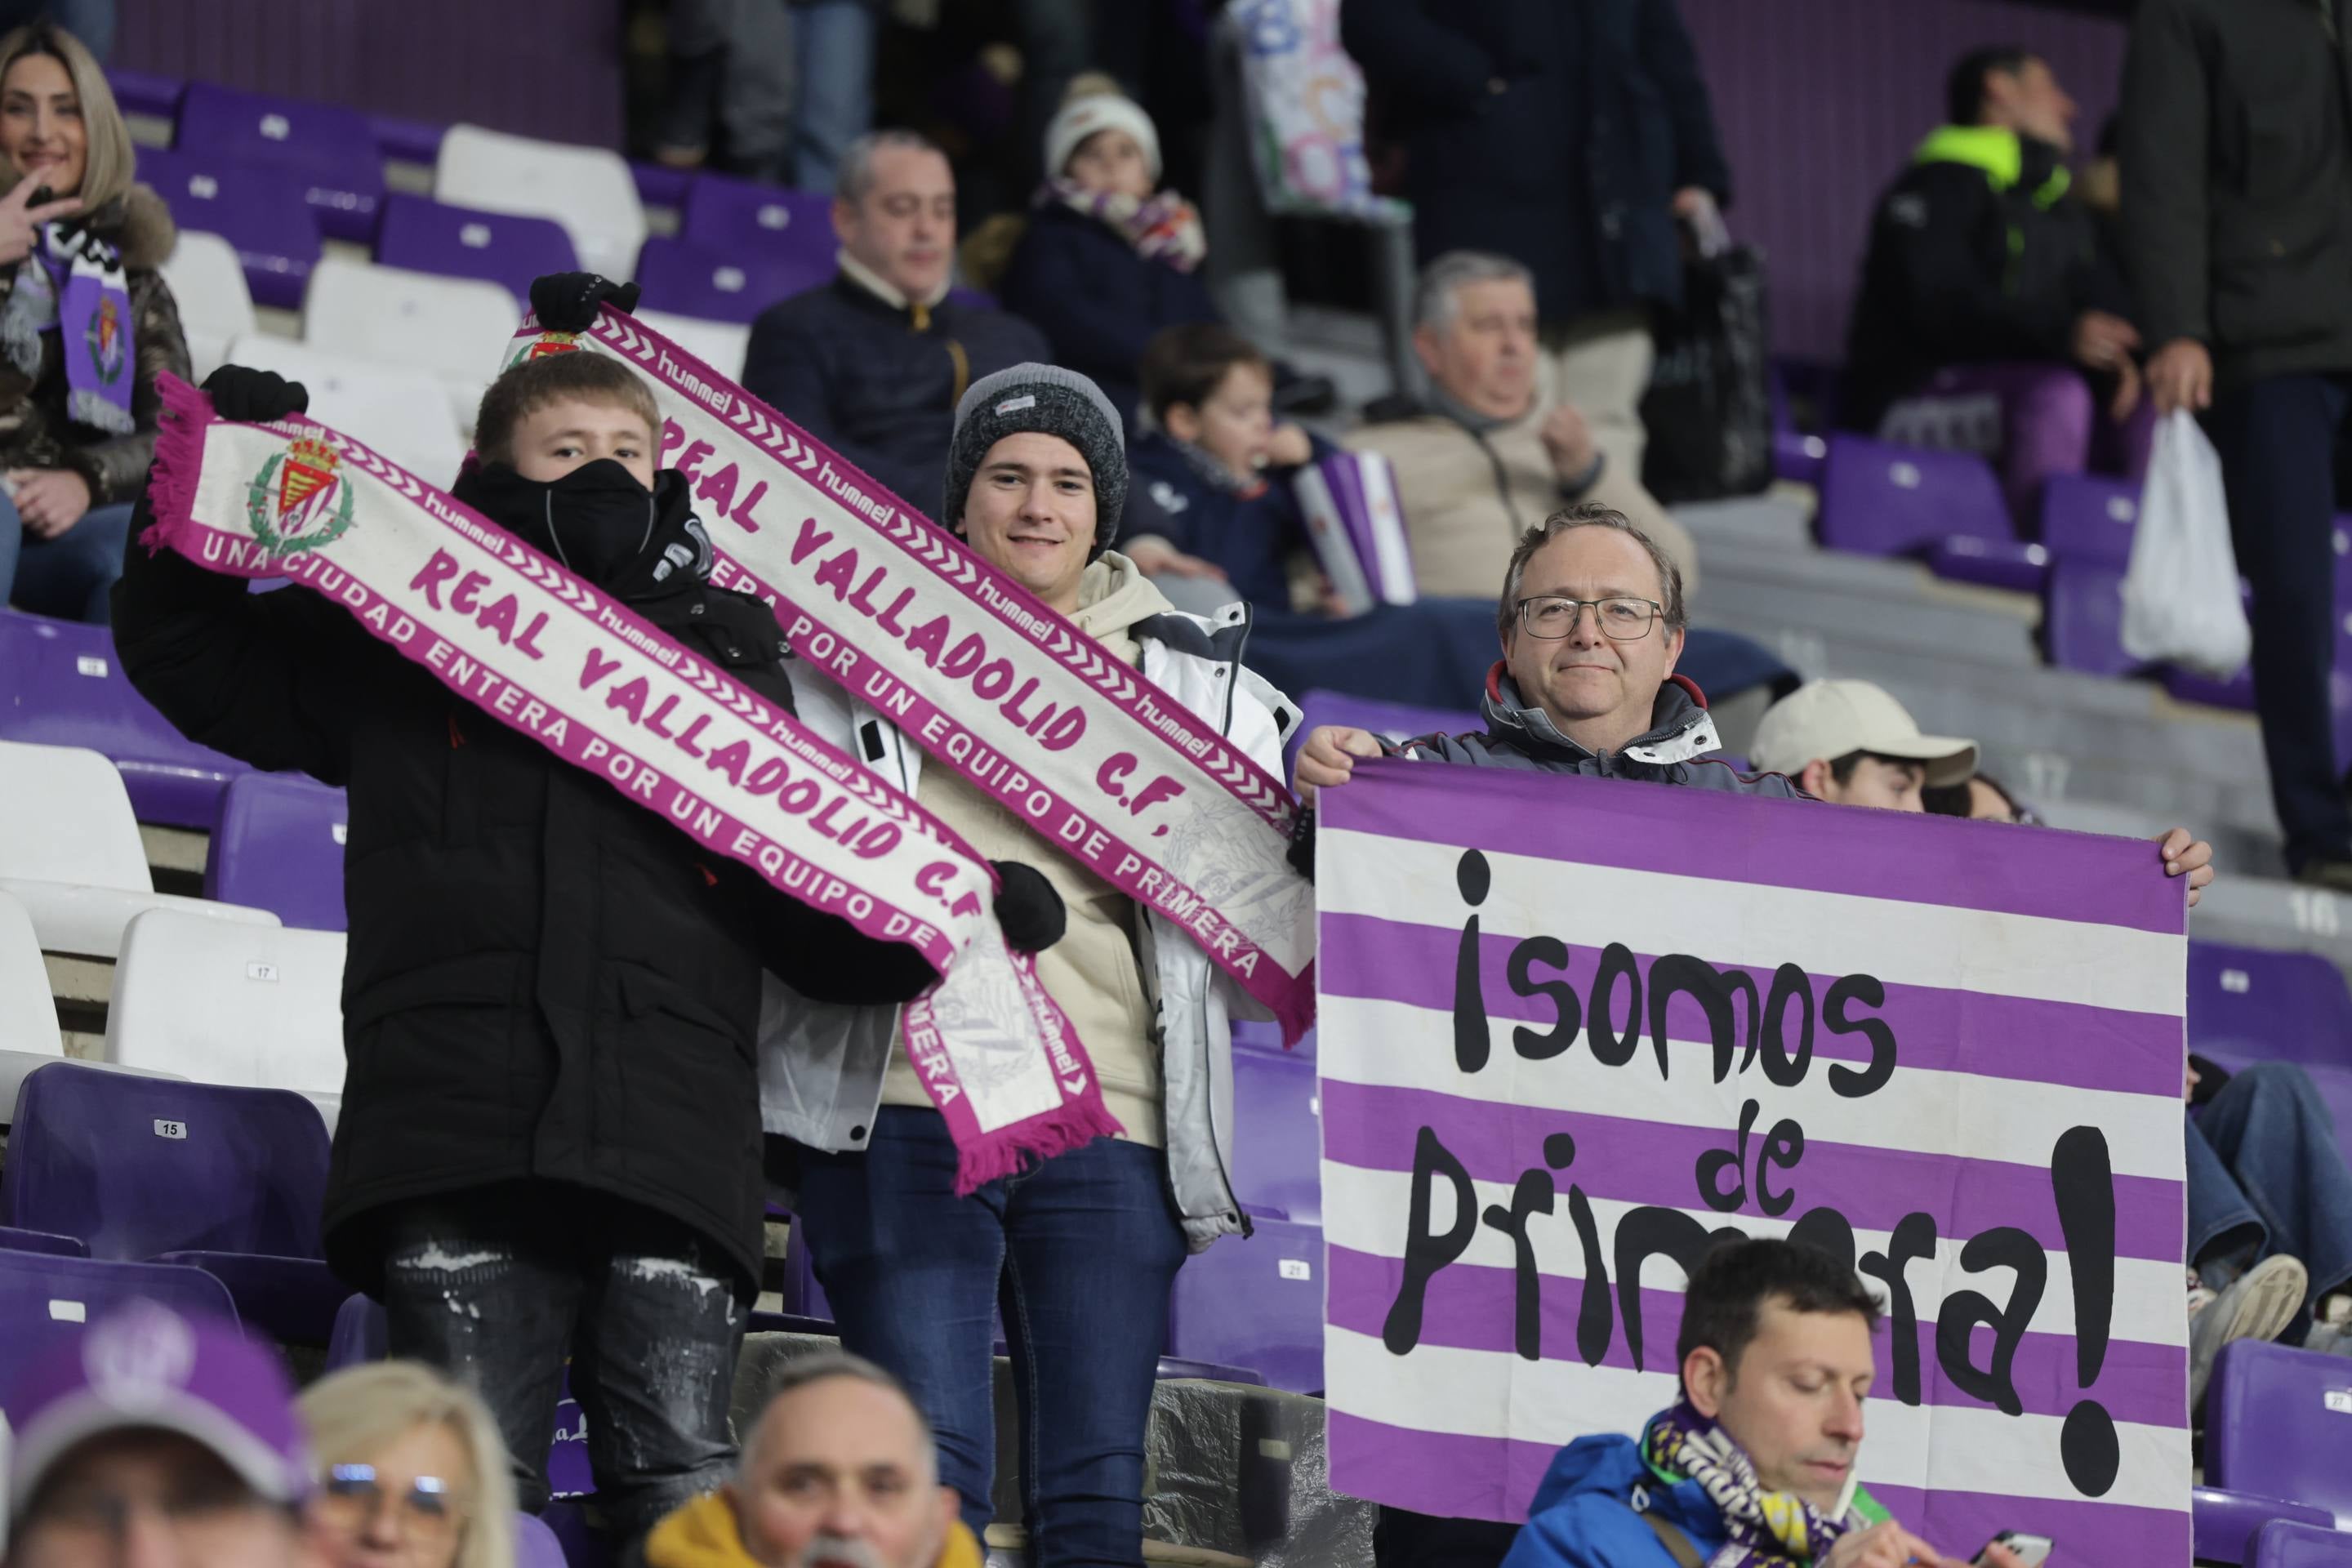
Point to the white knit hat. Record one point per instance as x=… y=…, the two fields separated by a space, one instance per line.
x=1081 y=117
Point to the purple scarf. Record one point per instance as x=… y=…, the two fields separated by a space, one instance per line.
x=1767 y=1529
x=1161 y=228
x=75 y=286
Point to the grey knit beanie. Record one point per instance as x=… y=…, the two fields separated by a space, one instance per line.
x=1051 y=401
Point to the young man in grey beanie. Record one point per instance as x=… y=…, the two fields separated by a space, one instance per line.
x=1081 y=1249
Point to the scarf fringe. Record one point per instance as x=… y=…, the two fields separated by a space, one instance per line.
x=1009 y=1152
x=179 y=457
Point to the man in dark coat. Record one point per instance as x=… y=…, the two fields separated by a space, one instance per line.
x=550 y=1141
x=1983 y=302
x=1569 y=138
x=873 y=363
x=2237 y=219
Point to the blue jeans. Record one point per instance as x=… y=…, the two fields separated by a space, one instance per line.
x=71 y=576
x=1080 y=1252
x=832 y=57
x=2265 y=1176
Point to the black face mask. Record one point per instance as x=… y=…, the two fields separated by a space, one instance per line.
x=595 y=520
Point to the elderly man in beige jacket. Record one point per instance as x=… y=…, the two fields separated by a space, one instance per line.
x=1494 y=452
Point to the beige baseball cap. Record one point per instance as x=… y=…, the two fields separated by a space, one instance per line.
x=1824 y=719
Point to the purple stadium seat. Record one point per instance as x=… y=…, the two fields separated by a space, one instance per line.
x=1391 y=720
x=145 y=93
x=1799 y=457
x=2274 y=1419
x=409 y=141
x=229 y=1180
x=1278 y=1134
x=802 y=1296
x=536 y=1545
x=2225 y=1521
x=359 y=1334
x=261 y=210
x=15 y=1241
x=2285 y=1544
x=426 y=235
x=279 y=846
x=659 y=185
x=2082 y=619
x=60 y=685
x=2256 y=1004
x=1173 y=1367
x=2087 y=517
x=686 y=280
x=736 y=218
x=1884 y=499
x=329 y=149
x=1994 y=562
x=1255 y=1301
x=2237 y=692
x=45 y=1301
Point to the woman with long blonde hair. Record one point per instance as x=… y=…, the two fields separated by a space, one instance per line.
x=86 y=323
x=412 y=1472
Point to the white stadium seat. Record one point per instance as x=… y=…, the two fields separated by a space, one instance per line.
x=207 y=283
x=456 y=328
x=588 y=190
x=28 y=1018
x=402 y=413
x=71 y=855
x=253 y=1006
x=719 y=344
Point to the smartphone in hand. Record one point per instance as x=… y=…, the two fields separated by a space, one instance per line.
x=2033 y=1551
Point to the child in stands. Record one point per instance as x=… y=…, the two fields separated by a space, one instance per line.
x=1218 y=472
x=549 y=1144
x=1108 y=261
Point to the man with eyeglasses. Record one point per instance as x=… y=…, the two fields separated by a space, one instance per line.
x=1592 y=622
x=160 y=1441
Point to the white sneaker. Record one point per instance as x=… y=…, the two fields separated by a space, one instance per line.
x=2257 y=1305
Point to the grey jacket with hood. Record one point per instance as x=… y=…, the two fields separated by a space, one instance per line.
x=1673 y=750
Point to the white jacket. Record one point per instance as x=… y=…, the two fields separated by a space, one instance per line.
x=821 y=1065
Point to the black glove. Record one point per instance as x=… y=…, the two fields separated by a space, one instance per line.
x=567 y=301
x=254 y=396
x=1028 y=908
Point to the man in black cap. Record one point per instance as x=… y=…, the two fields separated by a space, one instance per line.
x=1082 y=1248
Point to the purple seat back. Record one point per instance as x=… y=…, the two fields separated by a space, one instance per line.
x=2274 y=1418
x=359 y=1335
x=146 y=92
x=2083 y=619
x=411 y=140
x=1277 y=1135
x=279 y=846
x=2237 y=692
x=2287 y=1544
x=2268 y=1007
x=1255 y=1301
x=329 y=149
x=1391 y=720
x=45 y=1301
x=736 y=218
x=1264 y=1037
x=2225 y=1521
x=261 y=210
x=659 y=185
x=2087 y=517
x=426 y=235
x=1883 y=499
x=1995 y=563
x=686 y=280
x=802 y=1296
x=1173 y=1367
x=137 y=1166
x=15 y=1241
x=61 y=685
x=535 y=1544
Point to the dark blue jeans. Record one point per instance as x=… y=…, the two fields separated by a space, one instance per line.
x=2276 y=438
x=71 y=576
x=1079 y=1250
x=2265 y=1176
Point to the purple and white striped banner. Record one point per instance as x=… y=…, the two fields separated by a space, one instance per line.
x=1571 y=1027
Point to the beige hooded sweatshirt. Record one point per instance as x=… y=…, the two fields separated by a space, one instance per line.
x=1093 y=972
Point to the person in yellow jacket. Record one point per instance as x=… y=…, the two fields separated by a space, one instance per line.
x=839 y=1472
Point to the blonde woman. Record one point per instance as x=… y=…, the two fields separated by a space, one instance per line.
x=412 y=1472
x=86 y=323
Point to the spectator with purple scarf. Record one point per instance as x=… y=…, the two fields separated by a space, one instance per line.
x=86 y=325
x=1985 y=320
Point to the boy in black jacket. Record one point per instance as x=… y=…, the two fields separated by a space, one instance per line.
x=550 y=1140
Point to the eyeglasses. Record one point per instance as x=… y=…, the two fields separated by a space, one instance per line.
x=1550 y=616
x=430 y=1510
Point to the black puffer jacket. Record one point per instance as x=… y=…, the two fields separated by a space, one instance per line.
x=545 y=980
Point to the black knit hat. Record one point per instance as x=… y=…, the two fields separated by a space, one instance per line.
x=1050 y=401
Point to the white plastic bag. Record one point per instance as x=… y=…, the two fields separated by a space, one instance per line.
x=2180 y=595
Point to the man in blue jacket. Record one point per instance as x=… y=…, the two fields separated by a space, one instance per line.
x=1754 y=1465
